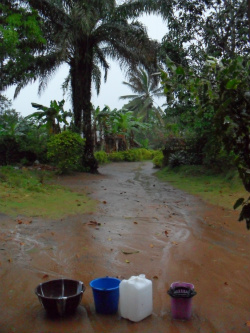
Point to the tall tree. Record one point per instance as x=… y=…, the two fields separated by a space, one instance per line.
x=20 y=38
x=84 y=34
x=196 y=28
x=145 y=87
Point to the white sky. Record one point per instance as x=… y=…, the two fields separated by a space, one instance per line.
x=109 y=92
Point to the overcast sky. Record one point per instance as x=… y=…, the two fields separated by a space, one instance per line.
x=109 y=92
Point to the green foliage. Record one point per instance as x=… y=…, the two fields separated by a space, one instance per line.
x=20 y=39
x=101 y=157
x=177 y=159
x=132 y=155
x=145 y=88
x=200 y=27
x=158 y=159
x=20 y=138
x=222 y=89
x=116 y=126
x=147 y=154
x=51 y=116
x=116 y=156
x=65 y=151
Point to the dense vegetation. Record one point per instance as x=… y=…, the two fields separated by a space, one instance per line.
x=204 y=74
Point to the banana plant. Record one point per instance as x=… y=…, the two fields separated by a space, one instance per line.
x=51 y=116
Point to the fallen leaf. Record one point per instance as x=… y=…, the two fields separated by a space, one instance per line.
x=27 y=222
x=166 y=233
x=104 y=202
x=52 y=233
x=45 y=276
x=127 y=261
x=94 y=223
x=10 y=260
x=22 y=243
x=155 y=277
x=175 y=243
x=135 y=222
x=151 y=245
x=109 y=239
x=19 y=222
x=129 y=252
x=225 y=283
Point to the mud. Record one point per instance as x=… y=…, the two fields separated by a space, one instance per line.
x=178 y=236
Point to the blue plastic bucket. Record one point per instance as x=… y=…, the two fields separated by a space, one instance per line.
x=106 y=294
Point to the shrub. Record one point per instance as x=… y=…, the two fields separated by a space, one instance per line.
x=116 y=156
x=65 y=151
x=158 y=159
x=146 y=154
x=101 y=157
x=132 y=155
x=177 y=159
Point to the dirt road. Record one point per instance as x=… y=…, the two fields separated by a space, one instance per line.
x=179 y=238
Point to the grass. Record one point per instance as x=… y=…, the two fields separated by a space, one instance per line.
x=219 y=189
x=29 y=193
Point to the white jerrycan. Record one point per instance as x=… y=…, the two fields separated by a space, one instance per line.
x=136 y=298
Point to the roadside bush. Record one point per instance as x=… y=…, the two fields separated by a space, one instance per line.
x=147 y=154
x=101 y=157
x=65 y=151
x=132 y=155
x=158 y=159
x=177 y=159
x=116 y=156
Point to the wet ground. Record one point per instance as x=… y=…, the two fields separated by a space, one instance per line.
x=179 y=238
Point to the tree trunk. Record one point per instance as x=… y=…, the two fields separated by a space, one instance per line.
x=81 y=74
x=248 y=15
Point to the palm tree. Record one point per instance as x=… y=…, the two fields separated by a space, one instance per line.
x=84 y=34
x=145 y=87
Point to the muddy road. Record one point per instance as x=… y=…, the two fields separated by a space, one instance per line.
x=178 y=236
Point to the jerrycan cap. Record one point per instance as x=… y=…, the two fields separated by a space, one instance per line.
x=143 y=276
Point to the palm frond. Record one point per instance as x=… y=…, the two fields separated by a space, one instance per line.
x=96 y=78
x=134 y=8
x=102 y=60
x=128 y=96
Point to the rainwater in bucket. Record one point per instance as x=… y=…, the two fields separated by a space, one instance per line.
x=106 y=294
x=181 y=300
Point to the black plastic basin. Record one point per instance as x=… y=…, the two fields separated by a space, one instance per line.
x=60 y=297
